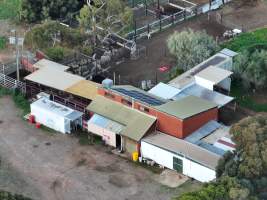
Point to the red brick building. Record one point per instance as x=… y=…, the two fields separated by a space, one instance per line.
x=177 y=118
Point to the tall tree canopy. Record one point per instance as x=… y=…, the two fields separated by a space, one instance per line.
x=114 y=15
x=191 y=48
x=37 y=10
x=242 y=174
x=251 y=67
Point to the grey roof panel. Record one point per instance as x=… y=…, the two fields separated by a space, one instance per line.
x=187 y=149
x=199 y=91
x=202 y=132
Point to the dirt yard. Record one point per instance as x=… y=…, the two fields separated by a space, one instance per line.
x=248 y=16
x=146 y=68
x=56 y=167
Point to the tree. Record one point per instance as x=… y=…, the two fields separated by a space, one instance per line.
x=38 y=10
x=241 y=174
x=191 y=48
x=251 y=68
x=113 y=15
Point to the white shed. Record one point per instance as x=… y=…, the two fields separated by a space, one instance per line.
x=214 y=76
x=56 y=116
x=180 y=155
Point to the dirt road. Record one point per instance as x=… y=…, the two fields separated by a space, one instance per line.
x=56 y=167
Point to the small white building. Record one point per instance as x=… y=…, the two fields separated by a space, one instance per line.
x=180 y=155
x=56 y=116
x=212 y=77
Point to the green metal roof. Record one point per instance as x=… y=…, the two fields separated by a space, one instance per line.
x=186 y=107
x=136 y=123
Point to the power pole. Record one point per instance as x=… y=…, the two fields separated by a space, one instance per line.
x=17 y=53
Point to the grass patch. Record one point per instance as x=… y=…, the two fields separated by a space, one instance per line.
x=20 y=101
x=245 y=98
x=246 y=40
x=85 y=139
x=155 y=169
x=9 y=9
x=3 y=42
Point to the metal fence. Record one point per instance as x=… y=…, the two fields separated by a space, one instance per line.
x=10 y=83
x=163 y=23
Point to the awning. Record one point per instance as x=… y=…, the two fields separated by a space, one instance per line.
x=164 y=91
x=199 y=91
x=136 y=123
x=106 y=123
x=214 y=74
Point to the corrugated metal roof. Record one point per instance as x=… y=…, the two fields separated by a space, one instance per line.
x=228 y=52
x=106 y=123
x=214 y=74
x=164 y=91
x=186 y=107
x=48 y=63
x=187 y=149
x=137 y=123
x=84 y=88
x=202 y=132
x=54 y=78
x=204 y=93
x=187 y=77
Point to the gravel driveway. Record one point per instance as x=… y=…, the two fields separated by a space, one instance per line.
x=56 y=167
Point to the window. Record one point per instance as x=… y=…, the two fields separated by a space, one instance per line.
x=109 y=95
x=126 y=102
x=178 y=164
x=144 y=109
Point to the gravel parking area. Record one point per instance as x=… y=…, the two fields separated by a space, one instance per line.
x=49 y=166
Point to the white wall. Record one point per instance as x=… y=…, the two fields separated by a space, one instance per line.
x=198 y=172
x=165 y=158
x=49 y=119
x=225 y=84
x=108 y=136
x=204 y=83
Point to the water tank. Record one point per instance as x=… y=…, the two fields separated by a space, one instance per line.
x=107 y=83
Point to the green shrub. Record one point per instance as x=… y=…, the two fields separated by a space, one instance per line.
x=55 y=53
x=3 y=42
x=9 y=9
x=246 y=40
x=41 y=36
x=9 y=196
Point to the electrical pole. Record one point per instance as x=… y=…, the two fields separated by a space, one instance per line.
x=17 y=54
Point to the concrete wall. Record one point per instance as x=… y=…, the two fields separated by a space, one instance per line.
x=204 y=83
x=108 y=136
x=130 y=145
x=165 y=158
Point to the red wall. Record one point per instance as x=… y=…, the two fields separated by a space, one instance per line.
x=193 y=123
x=170 y=124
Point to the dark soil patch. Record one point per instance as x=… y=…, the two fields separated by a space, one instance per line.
x=118 y=181
x=47 y=143
x=1 y=121
x=114 y=167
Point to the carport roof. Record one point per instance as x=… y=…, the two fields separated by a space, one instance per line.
x=204 y=93
x=186 y=149
x=214 y=74
x=54 y=78
x=84 y=88
x=186 y=107
x=137 y=123
x=48 y=63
